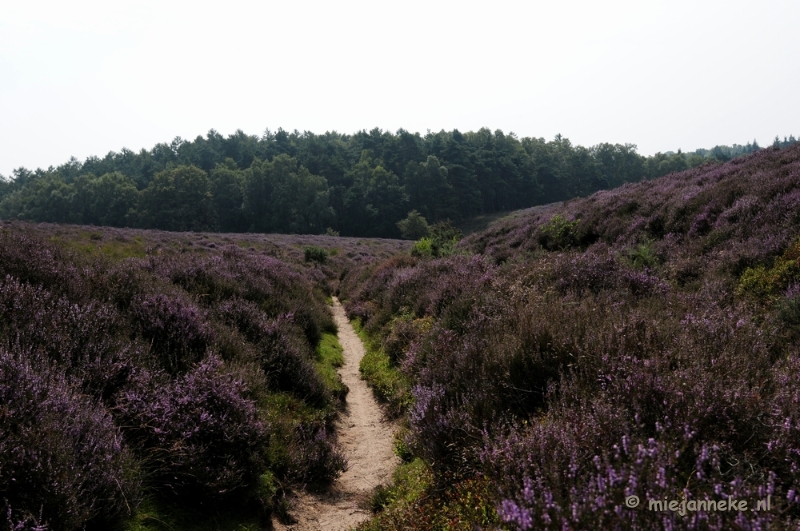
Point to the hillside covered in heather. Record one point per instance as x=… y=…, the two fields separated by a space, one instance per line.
x=639 y=342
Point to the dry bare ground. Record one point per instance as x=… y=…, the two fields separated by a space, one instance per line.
x=366 y=438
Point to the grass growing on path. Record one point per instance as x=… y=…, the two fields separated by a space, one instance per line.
x=330 y=358
x=413 y=503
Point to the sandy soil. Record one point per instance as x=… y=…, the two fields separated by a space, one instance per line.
x=366 y=439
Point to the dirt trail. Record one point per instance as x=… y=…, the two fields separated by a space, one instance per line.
x=366 y=439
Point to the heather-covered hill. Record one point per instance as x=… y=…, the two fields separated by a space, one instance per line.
x=639 y=342
x=728 y=216
x=151 y=379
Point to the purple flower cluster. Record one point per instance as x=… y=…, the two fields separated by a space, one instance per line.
x=59 y=449
x=177 y=330
x=200 y=434
x=314 y=457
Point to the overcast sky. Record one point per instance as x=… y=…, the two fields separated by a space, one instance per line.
x=84 y=78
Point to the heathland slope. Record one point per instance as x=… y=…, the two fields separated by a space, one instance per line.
x=641 y=342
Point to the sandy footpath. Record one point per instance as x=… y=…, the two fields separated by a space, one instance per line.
x=366 y=439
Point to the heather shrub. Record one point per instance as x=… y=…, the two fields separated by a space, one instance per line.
x=313 y=320
x=36 y=262
x=199 y=435
x=62 y=463
x=284 y=356
x=281 y=349
x=246 y=317
x=288 y=364
x=176 y=329
x=427 y=289
x=83 y=338
x=134 y=326
x=651 y=352
x=404 y=330
x=361 y=311
x=784 y=419
x=597 y=270
x=269 y=283
x=313 y=456
x=588 y=490
x=682 y=425
x=119 y=283
x=208 y=278
x=498 y=366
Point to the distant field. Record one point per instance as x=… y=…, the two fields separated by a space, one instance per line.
x=126 y=243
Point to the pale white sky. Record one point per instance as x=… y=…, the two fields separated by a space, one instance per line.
x=84 y=78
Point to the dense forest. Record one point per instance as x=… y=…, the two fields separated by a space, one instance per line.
x=356 y=185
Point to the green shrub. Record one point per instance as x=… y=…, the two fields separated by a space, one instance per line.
x=441 y=242
x=412 y=502
x=444 y=237
x=414 y=226
x=401 y=447
x=410 y=480
x=422 y=248
x=315 y=254
x=558 y=233
x=643 y=255
x=763 y=282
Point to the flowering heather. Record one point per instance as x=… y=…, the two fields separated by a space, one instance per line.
x=314 y=457
x=62 y=461
x=81 y=338
x=176 y=329
x=199 y=434
x=167 y=366
x=642 y=341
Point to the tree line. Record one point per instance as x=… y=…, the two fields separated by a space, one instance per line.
x=357 y=185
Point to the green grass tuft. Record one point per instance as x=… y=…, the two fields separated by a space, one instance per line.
x=410 y=480
x=329 y=358
x=386 y=381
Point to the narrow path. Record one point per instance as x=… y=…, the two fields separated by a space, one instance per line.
x=366 y=439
